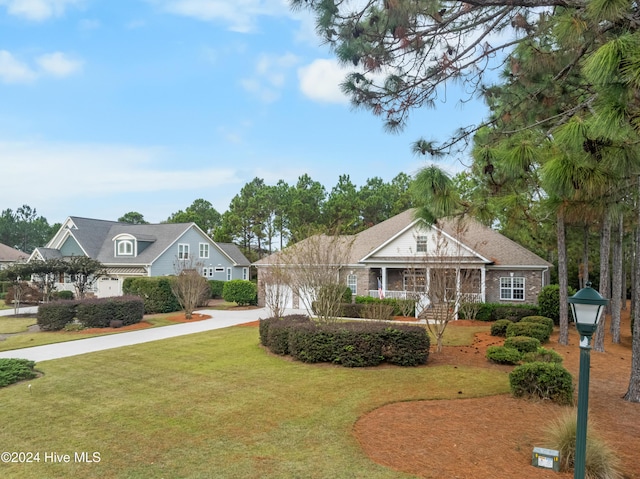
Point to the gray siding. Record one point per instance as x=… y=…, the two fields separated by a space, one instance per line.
x=71 y=248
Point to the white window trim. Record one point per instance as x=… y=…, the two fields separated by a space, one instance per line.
x=183 y=251
x=204 y=248
x=510 y=288
x=118 y=246
x=229 y=275
x=352 y=283
x=421 y=244
x=245 y=273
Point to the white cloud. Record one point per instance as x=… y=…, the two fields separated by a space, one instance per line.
x=320 y=81
x=270 y=76
x=38 y=10
x=58 y=64
x=13 y=70
x=240 y=15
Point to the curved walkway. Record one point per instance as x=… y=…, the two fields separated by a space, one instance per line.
x=219 y=319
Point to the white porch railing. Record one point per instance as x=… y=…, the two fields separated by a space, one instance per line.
x=467 y=297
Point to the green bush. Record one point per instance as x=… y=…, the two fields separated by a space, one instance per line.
x=496 y=311
x=351 y=344
x=399 y=305
x=503 y=355
x=54 y=316
x=514 y=313
x=240 y=291
x=377 y=311
x=523 y=344
x=13 y=370
x=543 y=355
x=216 y=286
x=155 y=292
x=549 y=302
x=65 y=294
x=548 y=322
x=499 y=328
x=533 y=330
x=99 y=312
x=542 y=381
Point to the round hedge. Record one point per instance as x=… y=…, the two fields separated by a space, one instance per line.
x=524 y=344
x=533 y=330
x=499 y=328
x=543 y=381
x=503 y=355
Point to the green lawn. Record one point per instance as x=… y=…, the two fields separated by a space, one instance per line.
x=211 y=405
x=27 y=340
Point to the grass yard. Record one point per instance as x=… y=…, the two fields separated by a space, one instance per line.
x=28 y=340
x=208 y=405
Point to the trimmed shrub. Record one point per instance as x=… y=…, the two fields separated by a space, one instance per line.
x=399 y=306
x=542 y=381
x=100 y=312
x=240 y=291
x=549 y=302
x=66 y=294
x=405 y=345
x=357 y=344
x=496 y=311
x=310 y=344
x=542 y=355
x=499 y=328
x=54 y=316
x=155 y=292
x=514 y=313
x=215 y=285
x=523 y=344
x=13 y=370
x=533 y=330
x=503 y=355
x=548 y=322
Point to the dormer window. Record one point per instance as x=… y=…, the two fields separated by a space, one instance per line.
x=125 y=248
x=125 y=245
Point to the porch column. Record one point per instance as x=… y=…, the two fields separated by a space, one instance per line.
x=384 y=279
x=483 y=284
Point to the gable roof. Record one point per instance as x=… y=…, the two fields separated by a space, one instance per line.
x=9 y=254
x=95 y=238
x=488 y=245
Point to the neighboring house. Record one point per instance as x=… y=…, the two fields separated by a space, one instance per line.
x=9 y=256
x=128 y=250
x=402 y=256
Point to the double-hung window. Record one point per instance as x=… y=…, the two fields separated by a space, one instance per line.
x=183 y=251
x=421 y=244
x=204 y=250
x=352 y=283
x=512 y=288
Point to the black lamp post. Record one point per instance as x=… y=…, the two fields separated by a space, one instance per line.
x=587 y=306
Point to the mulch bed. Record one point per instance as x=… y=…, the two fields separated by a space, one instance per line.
x=493 y=437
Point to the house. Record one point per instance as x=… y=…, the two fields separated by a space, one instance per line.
x=9 y=256
x=128 y=250
x=403 y=257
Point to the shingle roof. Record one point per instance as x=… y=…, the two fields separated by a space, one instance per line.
x=233 y=252
x=487 y=243
x=9 y=254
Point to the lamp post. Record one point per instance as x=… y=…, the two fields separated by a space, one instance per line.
x=587 y=306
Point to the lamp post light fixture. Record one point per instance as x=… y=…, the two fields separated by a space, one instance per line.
x=587 y=306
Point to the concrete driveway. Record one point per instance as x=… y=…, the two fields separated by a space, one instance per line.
x=219 y=319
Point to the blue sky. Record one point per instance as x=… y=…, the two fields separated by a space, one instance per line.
x=146 y=105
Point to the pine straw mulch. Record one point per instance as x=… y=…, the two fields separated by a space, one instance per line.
x=493 y=437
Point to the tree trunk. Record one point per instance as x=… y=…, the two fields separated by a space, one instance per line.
x=605 y=278
x=562 y=279
x=584 y=270
x=633 y=393
x=616 y=283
